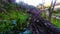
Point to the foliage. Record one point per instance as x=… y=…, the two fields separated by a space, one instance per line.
x=14 y=19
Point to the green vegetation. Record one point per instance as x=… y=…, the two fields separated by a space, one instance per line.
x=11 y=14
x=56 y=22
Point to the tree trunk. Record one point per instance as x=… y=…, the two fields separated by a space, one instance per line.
x=51 y=9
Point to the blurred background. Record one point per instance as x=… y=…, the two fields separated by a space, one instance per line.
x=13 y=16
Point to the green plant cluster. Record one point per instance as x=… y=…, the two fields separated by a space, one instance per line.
x=12 y=17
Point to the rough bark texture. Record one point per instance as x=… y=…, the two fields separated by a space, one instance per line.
x=38 y=25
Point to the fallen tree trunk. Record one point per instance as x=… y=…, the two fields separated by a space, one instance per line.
x=42 y=26
x=38 y=25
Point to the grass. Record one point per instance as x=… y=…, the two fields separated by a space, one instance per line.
x=56 y=22
x=19 y=16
